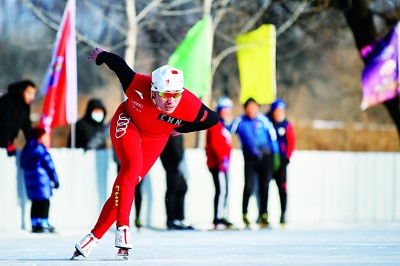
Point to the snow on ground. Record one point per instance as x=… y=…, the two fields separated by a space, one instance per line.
x=353 y=245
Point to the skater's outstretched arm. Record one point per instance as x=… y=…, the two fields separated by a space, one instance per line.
x=206 y=118
x=116 y=63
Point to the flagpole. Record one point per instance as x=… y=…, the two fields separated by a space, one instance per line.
x=201 y=135
x=73 y=144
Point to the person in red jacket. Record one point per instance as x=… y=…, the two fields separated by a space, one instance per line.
x=156 y=107
x=218 y=150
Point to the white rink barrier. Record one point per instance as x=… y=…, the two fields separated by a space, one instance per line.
x=324 y=187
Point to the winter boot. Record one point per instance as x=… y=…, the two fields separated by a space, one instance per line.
x=222 y=224
x=246 y=220
x=263 y=220
x=138 y=224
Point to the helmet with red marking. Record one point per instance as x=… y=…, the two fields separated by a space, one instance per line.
x=167 y=78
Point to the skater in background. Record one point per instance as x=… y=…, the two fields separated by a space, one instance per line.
x=40 y=178
x=261 y=155
x=157 y=106
x=218 y=151
x=90 y=131
x=171 y=158
x=286 y=143
x=15 y=109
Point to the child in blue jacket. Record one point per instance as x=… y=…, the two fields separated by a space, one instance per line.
x=40 y=178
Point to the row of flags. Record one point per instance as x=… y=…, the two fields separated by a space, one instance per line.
x=256 y=56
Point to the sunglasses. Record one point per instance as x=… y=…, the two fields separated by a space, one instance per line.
x=167 y=95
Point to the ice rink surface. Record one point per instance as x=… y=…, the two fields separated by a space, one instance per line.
x=338 y=245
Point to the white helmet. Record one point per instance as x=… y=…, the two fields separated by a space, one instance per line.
x=167 y=78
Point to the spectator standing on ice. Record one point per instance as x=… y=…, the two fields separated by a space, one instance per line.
x=157 y=106
x=261 y=155
x=218 y=152
x=40 y=178
x=15 y=109
x=171 y=158
x=286 y=143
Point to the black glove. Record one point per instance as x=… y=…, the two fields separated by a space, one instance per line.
x=56 y=185
x=11 y=150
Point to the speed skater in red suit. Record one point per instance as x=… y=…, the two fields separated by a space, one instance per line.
x=156 y=107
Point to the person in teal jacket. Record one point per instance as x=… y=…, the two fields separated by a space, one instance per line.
x=40 y=179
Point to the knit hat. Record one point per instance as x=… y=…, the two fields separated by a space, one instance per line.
x=278 y=103
x=224 y=102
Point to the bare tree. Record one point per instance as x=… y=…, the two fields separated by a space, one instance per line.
x=304 y=28
x=360 y=19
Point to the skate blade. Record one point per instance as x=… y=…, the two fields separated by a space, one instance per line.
x=123 y=254
x=77 y=256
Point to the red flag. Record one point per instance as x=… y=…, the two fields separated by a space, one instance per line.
x=60 y=82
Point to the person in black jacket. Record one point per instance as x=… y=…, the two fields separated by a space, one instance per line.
x=14 y=113
x=91 y=133
x=171 y=157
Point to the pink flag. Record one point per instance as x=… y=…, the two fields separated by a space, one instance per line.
x=60 y=82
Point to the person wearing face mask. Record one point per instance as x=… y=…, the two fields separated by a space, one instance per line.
x=156 y=107
x=14 y=113
x=286 y=141
x=261 y=156
x=91 y=133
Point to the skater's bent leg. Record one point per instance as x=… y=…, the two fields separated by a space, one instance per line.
x=124 y=189
x=126 y=140
x=107 y=217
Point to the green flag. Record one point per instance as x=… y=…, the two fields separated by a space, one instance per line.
x=193 y=57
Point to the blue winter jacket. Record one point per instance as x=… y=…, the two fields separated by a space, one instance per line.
x=257 y=136
x=39 y=171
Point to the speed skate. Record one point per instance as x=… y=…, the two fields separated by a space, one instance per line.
x=122 y=254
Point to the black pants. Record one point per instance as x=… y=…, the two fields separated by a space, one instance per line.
x=40 y=208
x=280 y=178
x=175 y=196
x=257 y=169
x=221 y=193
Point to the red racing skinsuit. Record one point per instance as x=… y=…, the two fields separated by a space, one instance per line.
x=139 y=132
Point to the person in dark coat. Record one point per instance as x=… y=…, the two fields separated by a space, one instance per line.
x=91 y=133
x=171 y=157
x=40 y=178
x=14 y=113
x=287 y=142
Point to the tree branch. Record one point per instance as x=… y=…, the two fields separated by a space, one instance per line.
x=292 y=19
x=43 y=17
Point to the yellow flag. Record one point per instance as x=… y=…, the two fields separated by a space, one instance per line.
x=256 y=60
